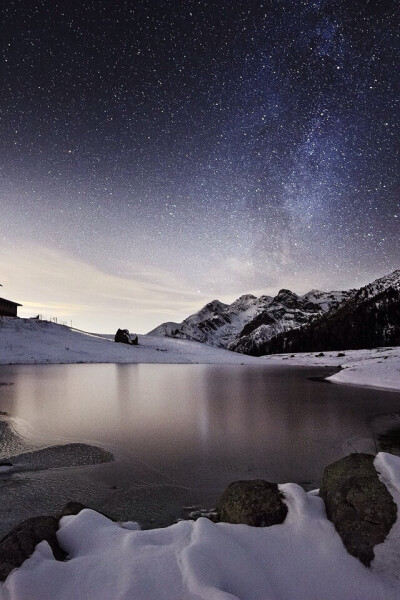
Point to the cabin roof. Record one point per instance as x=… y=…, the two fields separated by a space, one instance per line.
x=10 y=302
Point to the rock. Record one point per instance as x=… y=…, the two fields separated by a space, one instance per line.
x=359 y=505
x=20 y=542
x=255 y=502
x=319 y=355
x=123 y=337
x=6 y=466
x=72 y=508
x=340 y=354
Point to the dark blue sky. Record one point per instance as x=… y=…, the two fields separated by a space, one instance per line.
x=193 y=150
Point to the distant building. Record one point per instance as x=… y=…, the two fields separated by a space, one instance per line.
x=8 y=308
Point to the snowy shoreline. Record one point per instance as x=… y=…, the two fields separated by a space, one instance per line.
x=28 y=341
x=378 y=368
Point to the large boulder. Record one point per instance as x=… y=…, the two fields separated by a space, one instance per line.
x=255 y=502
x=20 y=542
x=358 y=503
x=124 y=337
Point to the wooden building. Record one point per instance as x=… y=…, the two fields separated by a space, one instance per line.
x=8 y=308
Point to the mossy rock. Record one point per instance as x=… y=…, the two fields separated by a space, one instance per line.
x=20 y=543
x=255 y=502
x=358 y=503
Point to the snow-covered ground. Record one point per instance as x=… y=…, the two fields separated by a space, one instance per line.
x=300 y=559
x=379 y=368
x=29 y=341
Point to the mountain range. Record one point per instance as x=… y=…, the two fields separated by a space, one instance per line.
x=337 y=320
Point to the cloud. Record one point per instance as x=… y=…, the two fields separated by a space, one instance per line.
x=55 y=284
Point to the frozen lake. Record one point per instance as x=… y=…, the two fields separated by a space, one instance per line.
x=195 y=426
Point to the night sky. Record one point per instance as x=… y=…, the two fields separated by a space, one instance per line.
x=156 y=155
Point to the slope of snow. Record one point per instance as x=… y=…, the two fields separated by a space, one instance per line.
x=302 y=558
x=379 y=367
x=165 y=329
x=29 y=341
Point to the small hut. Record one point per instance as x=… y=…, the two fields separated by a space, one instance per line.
x=8 y=308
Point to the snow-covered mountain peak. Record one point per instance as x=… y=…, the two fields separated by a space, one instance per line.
x=210 y=310
x=244 y=300
x=286 y=297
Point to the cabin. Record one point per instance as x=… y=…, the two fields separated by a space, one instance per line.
x=8 y=308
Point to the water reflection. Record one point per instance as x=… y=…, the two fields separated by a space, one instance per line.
x=196 y=425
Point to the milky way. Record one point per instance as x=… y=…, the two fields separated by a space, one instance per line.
x=240 y=146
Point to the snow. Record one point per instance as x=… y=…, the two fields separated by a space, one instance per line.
x=30 y=341
x=377 y=368
x=387 y=555
x=302 y=558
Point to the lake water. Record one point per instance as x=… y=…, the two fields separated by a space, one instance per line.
x=196 y=426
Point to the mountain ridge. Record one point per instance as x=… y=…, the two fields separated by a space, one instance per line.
x=267 y=324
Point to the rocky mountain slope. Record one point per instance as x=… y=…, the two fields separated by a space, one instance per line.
x=286 y=311
x=216 y=324
x=249 y=321
x=368 y=319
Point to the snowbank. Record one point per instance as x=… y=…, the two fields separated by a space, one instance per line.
x=301 y=558
x=29 y=341
x=379 y=368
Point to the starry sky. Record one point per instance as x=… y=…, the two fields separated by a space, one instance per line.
x=156 y=155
